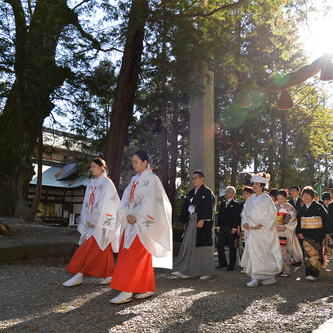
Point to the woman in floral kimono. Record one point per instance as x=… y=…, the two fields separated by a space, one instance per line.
x=146 y=235
x=313 y=226
x=286 y=226
x=97 y=227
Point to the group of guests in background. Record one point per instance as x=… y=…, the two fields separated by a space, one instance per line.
x=271 y=232
x=274 y=232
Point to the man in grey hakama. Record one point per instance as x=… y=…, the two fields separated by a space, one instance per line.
x=196 y=255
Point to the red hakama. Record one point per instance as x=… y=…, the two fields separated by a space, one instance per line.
x=90 y=260
x=134 y=272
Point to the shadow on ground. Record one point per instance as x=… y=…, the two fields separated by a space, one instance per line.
x=32 y=299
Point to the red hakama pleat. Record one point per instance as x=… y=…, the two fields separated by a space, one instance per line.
x=134 y=272
x=90 y=260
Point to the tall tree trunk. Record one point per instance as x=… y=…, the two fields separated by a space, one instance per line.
x=182 y=169
x=38 y=191
x=284 y=151
x=326 y=171
x=234 y=167
x=255 y=163
x=165 y=153
x=271 y=149
x=37 y=76
x=122 y=112
x=174 y=155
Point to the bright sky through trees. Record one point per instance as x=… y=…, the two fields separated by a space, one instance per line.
x=318 y=40
x=317 y=34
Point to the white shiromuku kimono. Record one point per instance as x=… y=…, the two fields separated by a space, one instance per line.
x=100 y=205
x=146 y=199
x=262 y=256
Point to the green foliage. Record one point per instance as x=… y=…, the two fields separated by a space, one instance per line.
x=65 y=59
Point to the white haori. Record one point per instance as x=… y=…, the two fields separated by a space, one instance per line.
x=262 y=255
x=100 y=205
x=146 y=199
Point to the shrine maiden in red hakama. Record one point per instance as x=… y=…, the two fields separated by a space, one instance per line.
x=146 y=235
x=97 y=226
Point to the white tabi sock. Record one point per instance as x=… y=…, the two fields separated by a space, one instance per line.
x=74 y=281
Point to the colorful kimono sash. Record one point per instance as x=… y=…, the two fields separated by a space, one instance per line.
x=311 y=222
x=281 y=220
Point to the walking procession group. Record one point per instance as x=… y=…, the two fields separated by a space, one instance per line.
x=271 y=232
x=139 y=228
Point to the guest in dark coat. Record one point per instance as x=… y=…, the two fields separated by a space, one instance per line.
x=196 y=256
x=296 y=200
x=228 y=223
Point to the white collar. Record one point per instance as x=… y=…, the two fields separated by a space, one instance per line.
x=137 y=176
x=309 y=205
x=256 y=199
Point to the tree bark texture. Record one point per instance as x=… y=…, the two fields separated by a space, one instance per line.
x=165 y=153
x=284 y=151
x=38 y=191
x=37 y=76
x=174 y=156
x=272 y=148
x=235 y=157
x=122 y=112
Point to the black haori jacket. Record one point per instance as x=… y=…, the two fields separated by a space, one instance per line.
x=315 y=209
x=203 y=201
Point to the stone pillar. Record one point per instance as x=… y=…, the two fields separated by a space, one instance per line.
x=202 y=130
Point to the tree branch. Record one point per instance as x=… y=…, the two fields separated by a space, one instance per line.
x=81 y=3
x=100 y=49
x=169 y=15
x=74 y=20
x=6 y=69
x=20 y=24
x=191 y=5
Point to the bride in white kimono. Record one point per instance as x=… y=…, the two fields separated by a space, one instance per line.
x=146 y=235
x=262 y=256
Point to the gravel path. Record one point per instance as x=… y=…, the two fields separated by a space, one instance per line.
x=32 y=299
x=35 y=233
